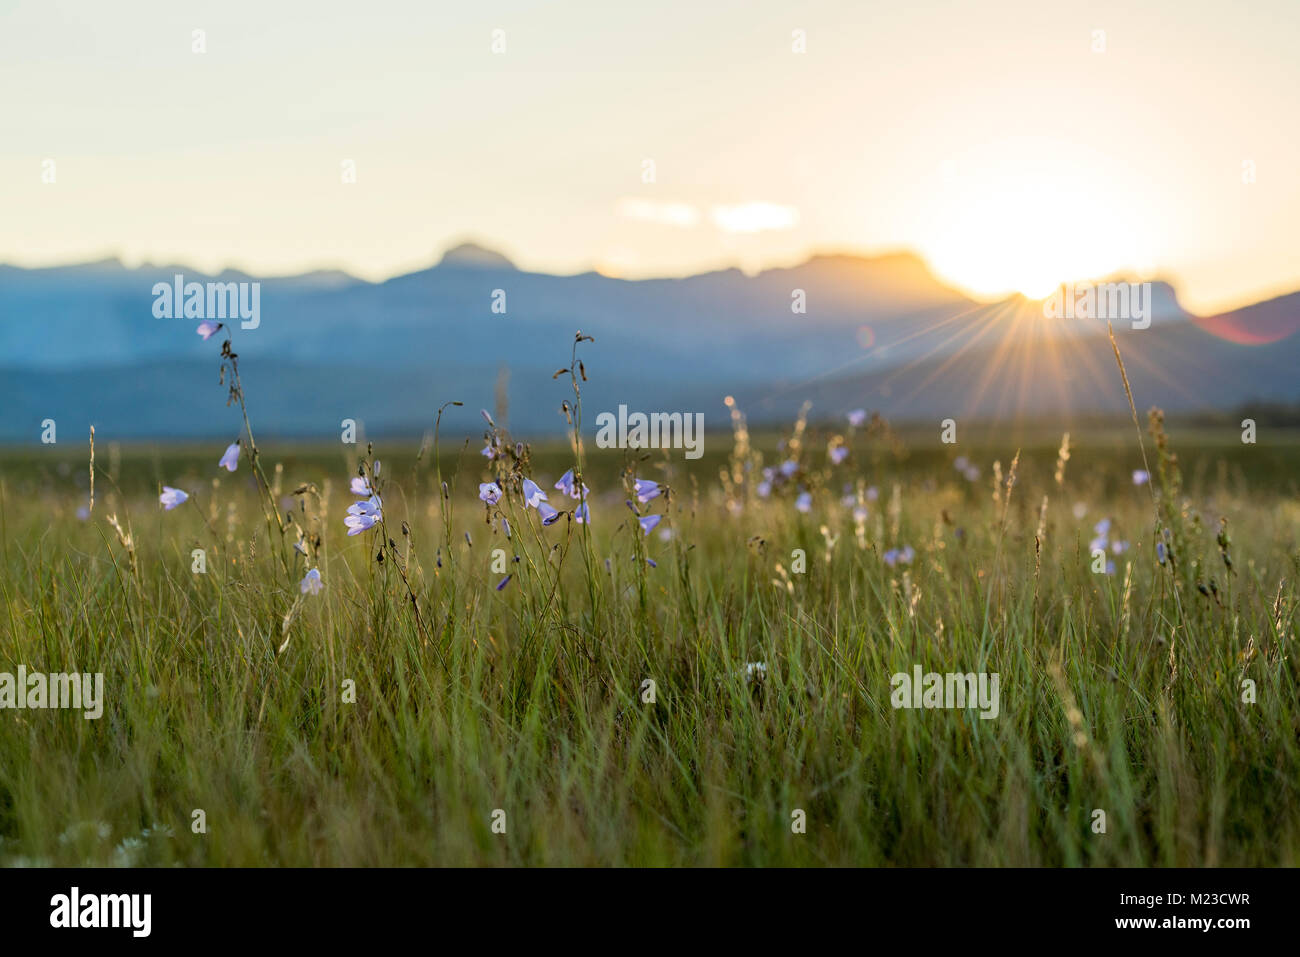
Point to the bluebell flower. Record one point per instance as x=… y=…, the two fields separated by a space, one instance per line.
x=646 y=490
x=504 y=582
x=311 y=583
x=363 y=515
x=533 y=495
x=360 y=486
x=489 y=492
x=230 y=460
x=549 y=515
x=570 y=487
x=857 y=417
x=648 y=522
x=171 y=497
x=804 y=502
x=207 y=329
x=839 y=454
x=581 y=515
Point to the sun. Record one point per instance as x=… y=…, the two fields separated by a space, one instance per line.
x=1027 y=217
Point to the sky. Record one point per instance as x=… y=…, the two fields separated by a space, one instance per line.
x=1013 y=145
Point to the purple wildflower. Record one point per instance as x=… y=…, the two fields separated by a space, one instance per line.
x=804 y=502
x=857 y=417
x=549 y=515
x=839 y=454
x=901 y=556
x=356 y=524
x=360 y=487
x=648 y=522
x=489 y=492
x=207 y=329
x=646 y=490
x=230 y=461
x=363 y=515
x=1141 y=476
x=533 y=495
x=570 y=487
x=504 y=582
x=171 y=497
x=311 y=583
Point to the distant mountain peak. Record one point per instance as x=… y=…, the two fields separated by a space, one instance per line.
x=473 y=256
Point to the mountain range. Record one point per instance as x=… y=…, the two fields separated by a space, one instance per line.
x=82 y=344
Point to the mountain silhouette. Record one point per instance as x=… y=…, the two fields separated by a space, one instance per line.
x=81 y=344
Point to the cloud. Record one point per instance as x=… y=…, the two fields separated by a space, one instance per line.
x=754 y=217
x=683 y=215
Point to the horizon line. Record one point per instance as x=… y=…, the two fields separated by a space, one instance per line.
x=1275 y=290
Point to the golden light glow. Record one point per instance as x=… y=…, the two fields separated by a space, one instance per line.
x=1025 y=215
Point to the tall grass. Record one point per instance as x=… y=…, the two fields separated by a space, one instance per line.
x=1119 y=692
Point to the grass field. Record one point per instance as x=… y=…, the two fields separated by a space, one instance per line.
x=417 y=695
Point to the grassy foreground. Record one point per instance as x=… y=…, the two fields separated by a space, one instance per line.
x=1121 y=692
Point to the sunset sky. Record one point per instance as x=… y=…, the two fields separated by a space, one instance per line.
x=991 y=138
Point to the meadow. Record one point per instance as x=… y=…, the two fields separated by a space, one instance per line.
x=466 y=684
